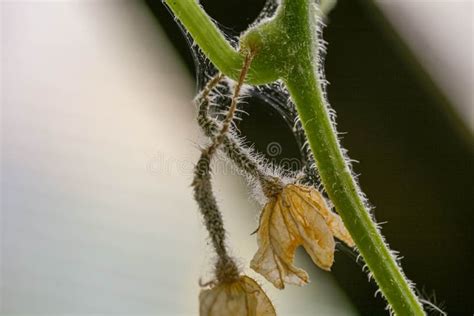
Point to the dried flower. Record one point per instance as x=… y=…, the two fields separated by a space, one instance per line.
x=242 y=297
x=298 y=215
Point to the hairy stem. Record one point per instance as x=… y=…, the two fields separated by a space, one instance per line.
x=243 y=159
x=209 y=39
x=342 y=190
x=226 y=269
x=235 y=98
x=305 y=89
x=214 y=45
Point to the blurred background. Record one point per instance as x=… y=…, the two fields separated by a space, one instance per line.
x=98 y=141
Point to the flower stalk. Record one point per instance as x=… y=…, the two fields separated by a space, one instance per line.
x=231 y=293
x=226 y=269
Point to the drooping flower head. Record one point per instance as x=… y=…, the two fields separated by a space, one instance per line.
x=231 y=293
x=296 y=216
x=241 y=297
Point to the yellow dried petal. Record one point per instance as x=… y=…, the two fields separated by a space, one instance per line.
x=333 y=220
x=298 y=216
x=243 y=297
x=277 y=243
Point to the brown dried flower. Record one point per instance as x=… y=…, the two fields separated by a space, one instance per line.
x=242 y=297
x=298 y=215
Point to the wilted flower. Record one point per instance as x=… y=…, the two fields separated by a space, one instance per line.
x=297 y=215
x=242 y=297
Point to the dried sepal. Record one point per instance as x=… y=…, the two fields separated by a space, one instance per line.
x=297 y=216
x=242 y=297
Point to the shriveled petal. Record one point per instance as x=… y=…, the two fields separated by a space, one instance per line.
x=314 y=232
x=338 y=229
x=257 y=299
x=332 y=219
x=278 y=239
x=243 y=297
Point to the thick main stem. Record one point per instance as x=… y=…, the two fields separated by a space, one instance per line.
x=305 y=90
x=341 y=188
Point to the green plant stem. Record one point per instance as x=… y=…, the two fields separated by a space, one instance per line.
x=207 y=36
x=213 y=43
x=287 y=49
x=342 y=190
x=305 y=90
